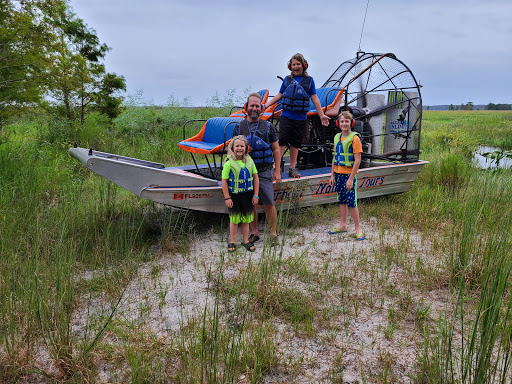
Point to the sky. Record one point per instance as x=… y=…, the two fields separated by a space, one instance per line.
x=192 y=50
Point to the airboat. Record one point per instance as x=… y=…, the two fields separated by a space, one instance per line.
x=384 y=98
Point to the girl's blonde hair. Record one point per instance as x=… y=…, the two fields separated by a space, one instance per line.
x=231 y=153
x=300 y=58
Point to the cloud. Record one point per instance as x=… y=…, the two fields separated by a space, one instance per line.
x=459 y=51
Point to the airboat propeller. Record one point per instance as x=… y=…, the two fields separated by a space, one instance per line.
x=385 y=97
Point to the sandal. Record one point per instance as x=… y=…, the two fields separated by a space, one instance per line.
x=336 y=230
x=359 y=236
x=253 y=238
x=249 y=246
x=274 y=240
x=231 y=247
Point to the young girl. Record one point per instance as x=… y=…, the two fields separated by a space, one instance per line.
x=296 y=90
x=240 y=186
x=345 y=164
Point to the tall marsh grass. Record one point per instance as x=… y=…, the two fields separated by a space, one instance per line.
x=59 y=222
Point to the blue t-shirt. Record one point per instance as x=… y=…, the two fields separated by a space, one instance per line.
x=294 y=115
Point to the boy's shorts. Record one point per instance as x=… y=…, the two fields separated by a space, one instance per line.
x=344 y=196
x=291 y=131
x=266 y=186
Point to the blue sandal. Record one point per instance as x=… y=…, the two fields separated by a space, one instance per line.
x=335 y=231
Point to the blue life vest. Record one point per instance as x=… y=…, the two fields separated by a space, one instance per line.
x=343 y=151
x=261 y=150
x=295 y=95
x=240 y=179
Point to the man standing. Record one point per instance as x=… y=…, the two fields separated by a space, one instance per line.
x=264 y=150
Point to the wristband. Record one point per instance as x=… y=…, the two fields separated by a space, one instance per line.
x=227 y=198
x=256 y=197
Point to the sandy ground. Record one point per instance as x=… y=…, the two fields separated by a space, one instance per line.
x=360 y=342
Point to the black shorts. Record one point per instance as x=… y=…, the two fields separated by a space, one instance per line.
x=291 y=132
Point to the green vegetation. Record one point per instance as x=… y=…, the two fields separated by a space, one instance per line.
x=48 y=53
x=72 y=244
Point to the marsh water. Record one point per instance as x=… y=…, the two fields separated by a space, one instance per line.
x=491 y=157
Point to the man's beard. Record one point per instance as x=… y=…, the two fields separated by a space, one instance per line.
x=253 y=115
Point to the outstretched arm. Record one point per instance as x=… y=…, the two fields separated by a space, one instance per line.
x=274 y=100
x=323 y=117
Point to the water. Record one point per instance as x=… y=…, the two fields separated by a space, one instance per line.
x=492 y=158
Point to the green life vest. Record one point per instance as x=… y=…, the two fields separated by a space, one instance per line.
x=240 y=179
x=343 y=151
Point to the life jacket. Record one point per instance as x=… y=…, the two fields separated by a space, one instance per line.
x=261 y=150
x=343 y=151
x=295 y=95
x=240 y=179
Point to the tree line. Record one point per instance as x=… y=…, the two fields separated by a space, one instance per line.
x=49 y=57
x=470 y=106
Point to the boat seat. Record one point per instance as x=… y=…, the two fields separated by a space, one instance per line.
x=213 y=137
x=330 y=99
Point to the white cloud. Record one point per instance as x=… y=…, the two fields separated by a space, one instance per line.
x=459 y=51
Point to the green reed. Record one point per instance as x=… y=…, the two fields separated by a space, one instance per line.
x=58 y=221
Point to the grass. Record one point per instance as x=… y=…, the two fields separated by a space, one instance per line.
x=72 y=244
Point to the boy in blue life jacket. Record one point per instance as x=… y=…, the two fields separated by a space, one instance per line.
x=345 y=164
x=296 y=90
x=240 y=186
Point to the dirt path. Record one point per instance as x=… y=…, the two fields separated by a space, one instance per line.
x=369 y=295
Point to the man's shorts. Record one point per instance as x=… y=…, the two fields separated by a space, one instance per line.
x=266 y=186
x=344 y=196
x=291 y=131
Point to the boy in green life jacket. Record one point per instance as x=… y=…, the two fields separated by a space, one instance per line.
x=345 y=164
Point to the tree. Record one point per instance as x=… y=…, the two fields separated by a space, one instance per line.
x=498 y=107
x=469 y=106
x=106 y=100
x=450 y=108
x=47 y=53
x=24 y=40
x=79 y=79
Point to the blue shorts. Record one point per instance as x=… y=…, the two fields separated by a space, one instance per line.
x=344 y=196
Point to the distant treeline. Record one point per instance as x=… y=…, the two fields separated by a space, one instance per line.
x=468 y=107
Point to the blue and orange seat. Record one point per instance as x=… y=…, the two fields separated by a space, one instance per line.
x=213 y=137
x=330 y=100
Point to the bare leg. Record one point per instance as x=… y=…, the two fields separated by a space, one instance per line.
x=233 y=229
x=354 y=212
x=343 y=216
x=254 y=223
x=294 y=152
x=271 y=216
x=245 y=232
